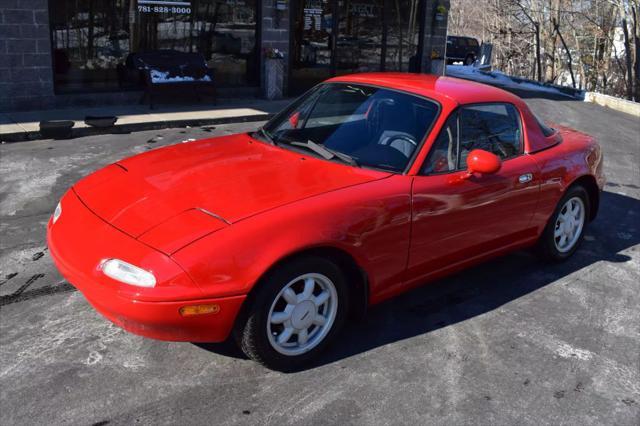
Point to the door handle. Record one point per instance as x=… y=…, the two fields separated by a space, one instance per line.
x=527 y=177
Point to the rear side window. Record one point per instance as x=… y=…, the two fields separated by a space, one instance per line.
x=546 y=130
x=491 y=127
x=472 y=42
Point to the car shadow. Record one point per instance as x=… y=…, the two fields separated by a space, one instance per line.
x=477 y=290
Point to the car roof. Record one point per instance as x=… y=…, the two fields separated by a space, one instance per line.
x=442 y=89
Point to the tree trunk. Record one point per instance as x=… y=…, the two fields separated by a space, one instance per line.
x=627 y=54
x=564 y=44
x=538 y=61
x=636 y=41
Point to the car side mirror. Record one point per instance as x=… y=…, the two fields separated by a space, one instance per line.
x=483 y=162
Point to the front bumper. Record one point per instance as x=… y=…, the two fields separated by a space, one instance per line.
x=79 y=241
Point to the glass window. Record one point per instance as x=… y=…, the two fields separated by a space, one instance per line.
x=443 y=156
x=311 y=43
x=359 y=41
x=376 y=127
x=93 y=39
x=403 y=26
x=546 y=130
x=492 y=127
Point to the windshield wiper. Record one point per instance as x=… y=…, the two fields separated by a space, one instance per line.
x=326 y=153
x=265 y=135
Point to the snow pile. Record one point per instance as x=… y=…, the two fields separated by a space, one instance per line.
x=503 y=81
x=160 y=77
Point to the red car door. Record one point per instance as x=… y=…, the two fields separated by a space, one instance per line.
x=456 y=220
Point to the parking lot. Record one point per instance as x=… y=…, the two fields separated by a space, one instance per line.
x=513 y=341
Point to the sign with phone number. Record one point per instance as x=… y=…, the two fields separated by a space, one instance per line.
x=164 y=6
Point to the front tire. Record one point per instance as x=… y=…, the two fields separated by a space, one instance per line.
x=297 y=311
x=565 y=230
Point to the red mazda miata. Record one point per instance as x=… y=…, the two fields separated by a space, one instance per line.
x=365 y=187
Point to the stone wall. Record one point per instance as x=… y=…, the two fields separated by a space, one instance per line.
x=26 y=75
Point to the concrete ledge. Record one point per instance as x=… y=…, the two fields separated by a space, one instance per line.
x=78 y=132
x=24 y=126
x=617 y=104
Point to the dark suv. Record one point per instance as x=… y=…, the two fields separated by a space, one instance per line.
x=465 y=49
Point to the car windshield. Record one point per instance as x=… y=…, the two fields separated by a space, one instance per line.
x=356 y=124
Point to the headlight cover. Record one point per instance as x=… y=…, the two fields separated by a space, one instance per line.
x=57 y=212
x=127 y=273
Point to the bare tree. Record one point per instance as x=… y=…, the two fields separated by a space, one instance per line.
x=591 y=44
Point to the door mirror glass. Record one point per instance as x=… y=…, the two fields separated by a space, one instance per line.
x=484 y=162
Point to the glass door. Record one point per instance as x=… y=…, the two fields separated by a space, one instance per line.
x=335 y=37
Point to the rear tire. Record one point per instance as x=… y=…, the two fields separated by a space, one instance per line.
x=469 y=60
x=298 y=310
x=565 y=230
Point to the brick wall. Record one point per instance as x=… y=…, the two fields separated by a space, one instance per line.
x=275 y=34
x=26 y=76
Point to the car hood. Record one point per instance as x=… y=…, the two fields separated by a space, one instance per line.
x=229 y=178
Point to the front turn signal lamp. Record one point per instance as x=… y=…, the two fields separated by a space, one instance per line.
x=127 y=273
x=192 y=310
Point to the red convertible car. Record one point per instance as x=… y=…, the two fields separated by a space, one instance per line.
x=365 y=187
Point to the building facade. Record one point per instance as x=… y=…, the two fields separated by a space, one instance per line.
x=56 y=53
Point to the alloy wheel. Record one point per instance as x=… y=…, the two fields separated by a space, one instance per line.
x=569 y=224
x=302 y=314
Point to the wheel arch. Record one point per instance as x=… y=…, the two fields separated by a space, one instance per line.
x=355 y=275
x=589 y=183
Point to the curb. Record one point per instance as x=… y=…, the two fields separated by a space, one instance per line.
x=618 y=104
x=136 y=127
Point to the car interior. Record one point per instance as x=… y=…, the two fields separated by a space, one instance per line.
x=491 y=127
x=377 y=127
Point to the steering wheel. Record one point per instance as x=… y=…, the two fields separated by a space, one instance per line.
x=403 y=138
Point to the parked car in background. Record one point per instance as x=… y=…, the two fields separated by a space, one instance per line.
x=365 y=187
x=462 y=49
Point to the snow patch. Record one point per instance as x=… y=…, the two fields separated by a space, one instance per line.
x=625 y=235
x=20 y=189
x=162 y=77
x=501 y=80
x=567 y=351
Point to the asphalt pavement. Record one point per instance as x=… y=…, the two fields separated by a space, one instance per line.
x=513 y=341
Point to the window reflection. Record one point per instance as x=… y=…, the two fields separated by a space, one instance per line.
x=91 y=37
x=402 y=34
x=360 y=36
x=370 y=35
x=311 y=54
